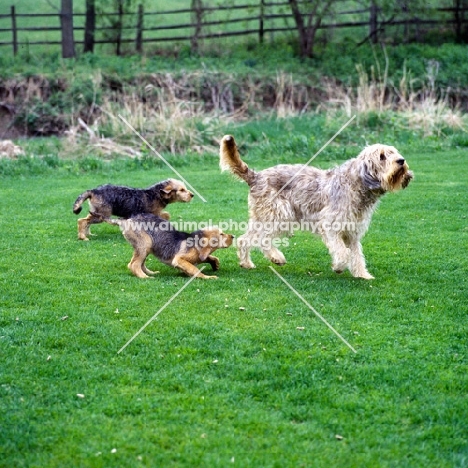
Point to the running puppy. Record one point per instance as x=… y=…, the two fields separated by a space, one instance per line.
x=107 y=200
x=336 y=203
x=151 y=234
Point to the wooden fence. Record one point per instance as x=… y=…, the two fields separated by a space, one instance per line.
x=261 y=20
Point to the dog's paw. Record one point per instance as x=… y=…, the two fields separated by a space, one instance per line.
x=278 y=261
x=247 y=265
x=365 y=275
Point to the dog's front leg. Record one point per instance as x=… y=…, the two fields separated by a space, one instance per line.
x=338 y=250
x=357 y=263
x=213 y=261
x=189 y=268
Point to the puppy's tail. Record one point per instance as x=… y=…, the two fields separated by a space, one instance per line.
x=229 y=160
x=80 y=200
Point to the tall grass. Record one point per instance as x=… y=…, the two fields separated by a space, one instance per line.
x=410 y=102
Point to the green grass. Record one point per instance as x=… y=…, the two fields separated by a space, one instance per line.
x=208 y=383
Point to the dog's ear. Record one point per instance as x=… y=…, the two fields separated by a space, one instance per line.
x=369 y=180
x=204 y=253
x=202 y=244
x=166 y=191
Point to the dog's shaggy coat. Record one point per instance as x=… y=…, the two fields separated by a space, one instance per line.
x=107 y=200
x=338 y=202
x=151 y=234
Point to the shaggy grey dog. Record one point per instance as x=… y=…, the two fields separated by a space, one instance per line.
x=337 y=203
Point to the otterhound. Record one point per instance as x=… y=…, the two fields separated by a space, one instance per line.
x=336 y=203
x=151 y=234
x=107 y=200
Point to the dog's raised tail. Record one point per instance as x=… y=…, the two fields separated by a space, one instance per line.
x=229 y=160
x=80 y=200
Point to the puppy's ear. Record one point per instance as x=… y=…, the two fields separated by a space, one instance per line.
x=204 y=253
x=166 y=191
x=369 y=180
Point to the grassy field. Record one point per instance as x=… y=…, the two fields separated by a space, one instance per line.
x=235 y=371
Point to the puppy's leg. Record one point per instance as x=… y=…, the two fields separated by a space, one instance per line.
x=213 y=261
x=148 y=271
x=84 y=225
x=357 y=263
x=188 y=268
x=137 y=263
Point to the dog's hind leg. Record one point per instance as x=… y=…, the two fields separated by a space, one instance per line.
x=271 y=252
x=147 y=271
x=244 y=244
x=137 y=263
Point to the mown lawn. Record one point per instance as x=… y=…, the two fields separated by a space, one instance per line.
x=224 y=376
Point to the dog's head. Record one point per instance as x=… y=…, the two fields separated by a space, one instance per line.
x=384 y=168
x=206 y=241
x=175 y=191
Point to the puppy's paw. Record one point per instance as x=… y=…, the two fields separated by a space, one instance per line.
x=249 y=265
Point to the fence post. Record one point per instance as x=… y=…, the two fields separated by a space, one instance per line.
x=14 y=30
x=119 y=27
x=139 y=34
x=261 y=31
x=90 y=26
x=373 y=23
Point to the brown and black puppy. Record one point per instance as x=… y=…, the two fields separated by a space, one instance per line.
x=151 y=234
x=107 y=200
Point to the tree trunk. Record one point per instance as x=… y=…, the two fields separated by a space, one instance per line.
x=197 y=19
x=90 y=26
x=307 y=32
x=66 y=22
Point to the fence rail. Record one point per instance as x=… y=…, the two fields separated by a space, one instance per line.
x=189 y=25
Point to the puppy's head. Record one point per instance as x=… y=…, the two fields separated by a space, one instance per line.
x=207 y=241
x=384 y=168
x=175 y=191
